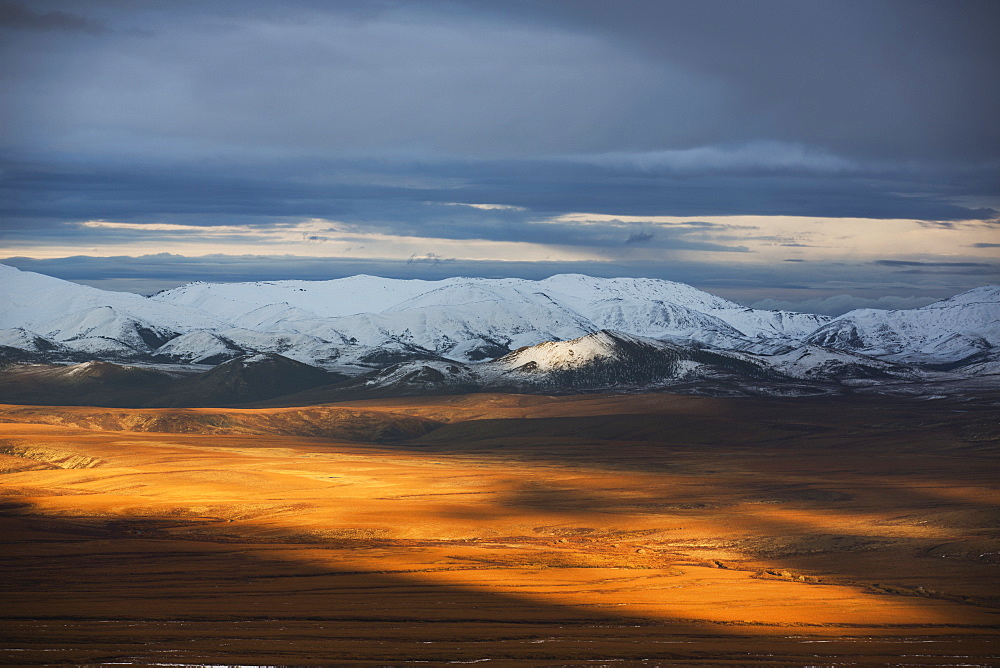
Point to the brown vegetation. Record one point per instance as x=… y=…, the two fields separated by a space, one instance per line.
x=523 y=530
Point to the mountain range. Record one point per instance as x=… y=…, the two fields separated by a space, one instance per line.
x=564 y=333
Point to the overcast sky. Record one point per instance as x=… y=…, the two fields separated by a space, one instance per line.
x=818 y=155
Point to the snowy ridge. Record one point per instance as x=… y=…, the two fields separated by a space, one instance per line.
x=946 y=331
x=559 y=355
x=475 y=318
x=199 y=347
x=34 y=301
x=22 y=339
x=815 y=362
x=361 y=323
x=337 y=297
x=613 y=360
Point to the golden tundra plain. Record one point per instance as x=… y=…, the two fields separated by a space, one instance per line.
x=505 y=530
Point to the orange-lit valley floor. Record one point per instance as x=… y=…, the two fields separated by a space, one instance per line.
x=639 y=530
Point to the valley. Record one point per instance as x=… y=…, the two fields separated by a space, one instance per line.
x=506 y=529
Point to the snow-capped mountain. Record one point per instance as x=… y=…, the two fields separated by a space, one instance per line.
x=472 y=319
x=811 y=362
x=200 y=347
x=600 y=361
x=324 y=299
x=21 y=345
x=362 y=323
x=89 y=321
x=23 y=339
x=33 y=301
x=104 y=329
x=609 y=360
x=983 y=364
x=947 y=331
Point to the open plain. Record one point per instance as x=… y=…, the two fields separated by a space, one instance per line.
x=504 y=529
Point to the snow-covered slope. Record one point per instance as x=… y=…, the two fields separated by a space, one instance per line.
x=642 y=359
x=816 y=363
x=475 y=318
x=984 y=364
x=21 y=345
x=342 y=296
x=606 y=359
x=109 y=323
x=946 y=331
x=359 y=323
x=23 y=339
x=199 y=347
x=89 y=319
x=443 y=328
x=599 y=360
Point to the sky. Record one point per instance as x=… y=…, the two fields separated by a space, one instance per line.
x=813 y=155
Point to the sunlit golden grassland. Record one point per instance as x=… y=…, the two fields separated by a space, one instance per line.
x=520 y=530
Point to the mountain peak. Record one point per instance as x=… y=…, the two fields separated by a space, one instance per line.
x=568 y=354
x=362 y=322
x=984 y=293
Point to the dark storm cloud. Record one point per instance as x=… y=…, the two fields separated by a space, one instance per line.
x=324 y=109
x=301 y=78
x=18 y=16
x=979 y=273
x=639 y=238
x=406 y=198
x=382 y=114
x=429 y=258
x=915 y=263
x=526 y=78
x=871 y=78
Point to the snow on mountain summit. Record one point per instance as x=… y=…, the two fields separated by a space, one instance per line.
x=336 y=297
x=989 y=294
x=444 y=316
x=31 y=300
x=946 y=331
x=109 y=323
x=363 y=322
x=552 y=355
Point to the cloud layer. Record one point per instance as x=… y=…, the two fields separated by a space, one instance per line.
x=565 y=131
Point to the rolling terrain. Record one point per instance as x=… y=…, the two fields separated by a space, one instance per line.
x=368 y=471
x=604 y=361
x=645 y=529
x=361 y=324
